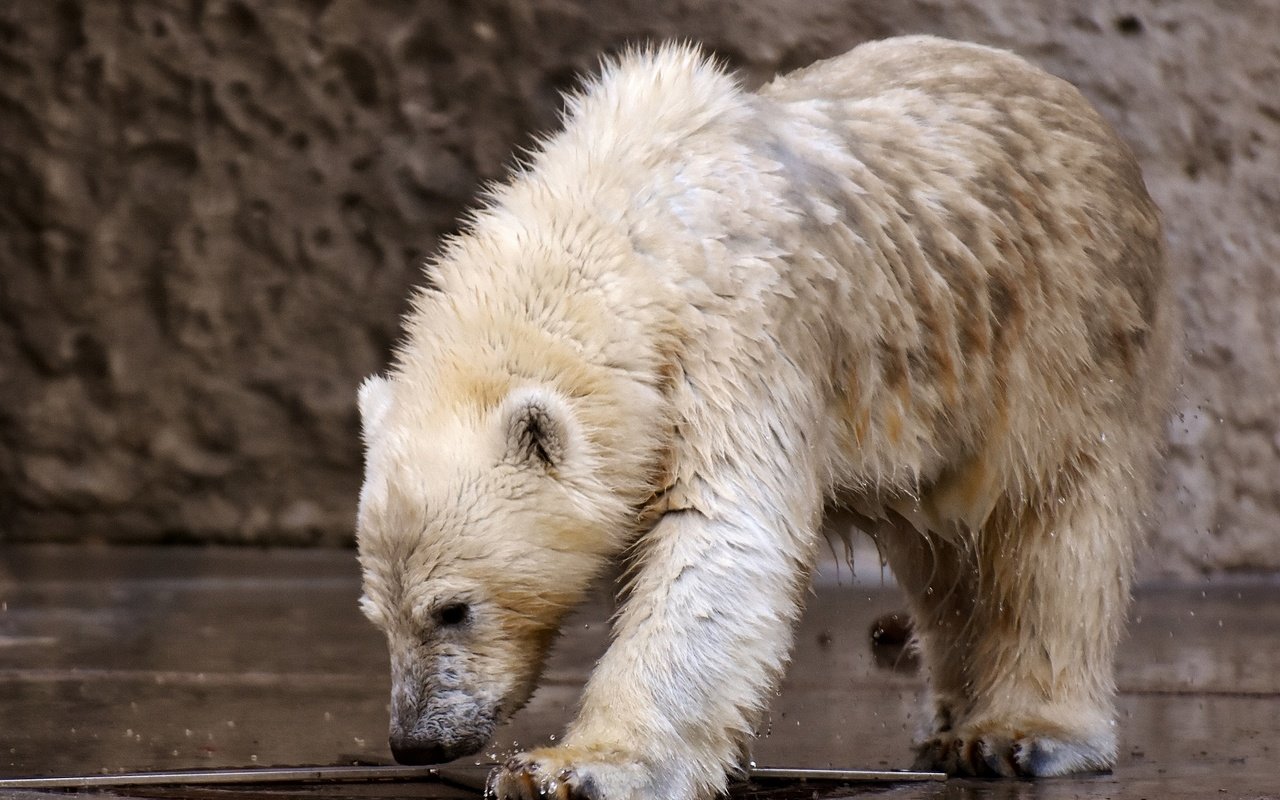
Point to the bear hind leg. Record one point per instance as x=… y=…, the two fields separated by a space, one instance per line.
x=1019 y=624
x=934 y=574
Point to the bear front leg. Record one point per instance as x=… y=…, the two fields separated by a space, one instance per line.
x=699 y=644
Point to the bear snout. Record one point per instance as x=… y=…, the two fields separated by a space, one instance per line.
x=411 y=751
x=436 y=746
x=440 y=732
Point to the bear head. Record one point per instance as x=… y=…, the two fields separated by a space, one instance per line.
x=479 y=527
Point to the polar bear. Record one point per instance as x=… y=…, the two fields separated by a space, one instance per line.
x=920 y=283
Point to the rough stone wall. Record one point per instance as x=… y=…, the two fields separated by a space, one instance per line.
x=211 y=212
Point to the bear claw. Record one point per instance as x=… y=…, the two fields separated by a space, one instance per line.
x=521 y=779
x=1001 y=755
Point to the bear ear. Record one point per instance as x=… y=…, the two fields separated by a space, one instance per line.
x=535 y=428
x=375 y=401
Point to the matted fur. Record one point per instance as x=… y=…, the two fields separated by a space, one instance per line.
x=921 y=282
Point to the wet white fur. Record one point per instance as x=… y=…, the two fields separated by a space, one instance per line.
x=920 y=282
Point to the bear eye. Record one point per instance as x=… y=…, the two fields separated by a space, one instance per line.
x=453 y=614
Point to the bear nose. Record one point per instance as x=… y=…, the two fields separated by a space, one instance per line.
x=409 y=751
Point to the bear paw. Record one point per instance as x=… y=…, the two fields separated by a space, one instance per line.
x=1014 y=753
x=568 y=773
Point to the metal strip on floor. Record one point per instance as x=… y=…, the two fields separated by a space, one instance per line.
x=362 y=774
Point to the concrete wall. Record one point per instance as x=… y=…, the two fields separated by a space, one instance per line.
x=210 y=214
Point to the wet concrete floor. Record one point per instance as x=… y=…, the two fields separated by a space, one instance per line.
x=134 y=659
